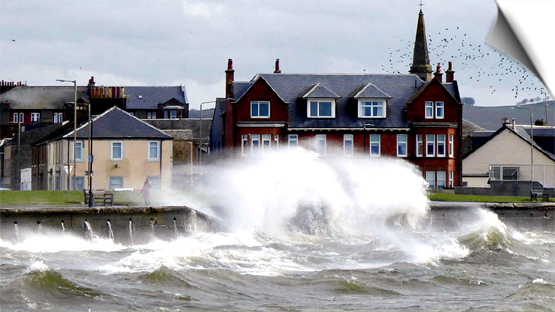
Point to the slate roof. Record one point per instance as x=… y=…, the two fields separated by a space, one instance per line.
x=49 y=97
x=319 y=91
x=290 y=87
x=150 y=97
x=118 y=124
x=370 y=91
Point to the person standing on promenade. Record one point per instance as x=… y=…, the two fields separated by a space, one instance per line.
x=146 y=191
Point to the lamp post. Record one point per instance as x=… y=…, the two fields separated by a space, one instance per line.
x=74 y=130
x=90 y=157
x=531 y=143
x=200 y=144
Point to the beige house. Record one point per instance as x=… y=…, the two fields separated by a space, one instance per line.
x=125 y=151
x=507 y=155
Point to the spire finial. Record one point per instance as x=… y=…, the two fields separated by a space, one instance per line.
x=421 y=5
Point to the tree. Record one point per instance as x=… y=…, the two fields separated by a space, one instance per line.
x=468 y=101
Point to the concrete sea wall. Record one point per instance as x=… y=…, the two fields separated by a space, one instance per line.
x=126 y=225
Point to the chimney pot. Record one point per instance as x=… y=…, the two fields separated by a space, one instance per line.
x=438 y=74
x=229 y=78
x=277 y=70
x=450 y=73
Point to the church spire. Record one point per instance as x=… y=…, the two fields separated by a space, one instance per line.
x=420 y=60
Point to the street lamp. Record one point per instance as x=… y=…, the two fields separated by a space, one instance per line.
x=90 y=160
x=74 y=130
x=200 y=144
x=531 y=142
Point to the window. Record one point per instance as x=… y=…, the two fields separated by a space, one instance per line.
x=441 y=146
x=441 y=179
x=79 y=151
x=321 y=108
x=255 y=144
x=266 y=142
x=116 y=182
x=35 y=117
x=153 y=150
x=451 y=179
x=321 y=144
x=401 y=145
x=260 y=109
x=21 y=117
x=173 y=114
x=276 y=141
x=117 y=151
x=151 y=115
x=429 y=110
x=419 y=145
x=166 y=115
x=15 y=117
x=451 y=145
x=244 y=144
x=58 y=117
x=440 y=112
x=348 y=146
x=371 y=109
x=375 y=149
x=79 y=183
x=293 y=140
x=431 y=179
x=501 y=173
x=430 y=144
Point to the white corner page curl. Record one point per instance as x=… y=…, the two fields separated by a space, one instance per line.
x=503 y=38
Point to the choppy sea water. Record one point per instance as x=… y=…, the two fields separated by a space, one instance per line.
x=487 y=265
x=300 y=234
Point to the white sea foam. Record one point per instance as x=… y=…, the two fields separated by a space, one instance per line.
x=37 y=266
x=55 y=243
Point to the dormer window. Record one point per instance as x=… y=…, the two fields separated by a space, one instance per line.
x=321 y=108
x=260 y=109
x=372 y=108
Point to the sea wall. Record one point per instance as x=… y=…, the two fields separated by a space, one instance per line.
x=126 y=225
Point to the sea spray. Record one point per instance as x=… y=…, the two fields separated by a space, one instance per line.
x=355 y=195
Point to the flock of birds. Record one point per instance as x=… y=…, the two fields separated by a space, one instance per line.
x=488 y=66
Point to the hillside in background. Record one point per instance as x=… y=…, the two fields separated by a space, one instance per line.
x=206 y=113
x=491 y=118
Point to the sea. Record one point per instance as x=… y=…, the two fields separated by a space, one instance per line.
x=298 y=234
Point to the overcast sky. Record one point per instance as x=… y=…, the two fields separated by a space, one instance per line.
x=140 y=43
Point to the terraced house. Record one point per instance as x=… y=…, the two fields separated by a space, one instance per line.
x=413 y=116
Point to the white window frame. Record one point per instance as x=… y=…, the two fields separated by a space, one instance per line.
x=451 y=179
x=440 y=107
x=153 y=115
x=149 y=154
x=58 y=118
x=451 y=145
x=79 y=145
x=320 y=138
x=318 y=101
x=431 y=143
x=266 y=138
x=372 y=103
x=441 y=179
x=244 y=144
x=255 y=138
x=166 y=114
x=419 y=145
x=110 y=182
x=112 y=150
x=257 y=104
x=348 y=151
x=15 y=117
x=173 y=114
x=429 y=108
x=35 y=117
x=378 y=142
x=400 y=144
x=276 y=142
x=431 y=177
x=21 y=118
x=293 y=141
x=441 y=142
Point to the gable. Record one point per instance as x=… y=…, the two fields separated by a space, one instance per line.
x=118 y=124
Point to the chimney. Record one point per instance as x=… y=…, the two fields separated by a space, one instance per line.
x=506 y=121
x=514 y=123
x=229 y=78
x=450 y=73
x=438 y=74
x=277 y=70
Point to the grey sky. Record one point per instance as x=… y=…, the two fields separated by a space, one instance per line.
x=188 y=42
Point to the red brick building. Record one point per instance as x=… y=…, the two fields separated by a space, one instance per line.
x=412 y=116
